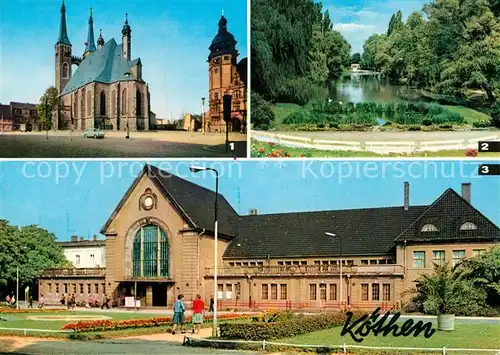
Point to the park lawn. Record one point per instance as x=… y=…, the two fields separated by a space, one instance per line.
x=468 y=336
x=283 y=110
x=317 y=153
x=470 y=115
x=21 y=320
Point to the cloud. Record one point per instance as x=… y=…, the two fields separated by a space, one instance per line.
x=352 y=27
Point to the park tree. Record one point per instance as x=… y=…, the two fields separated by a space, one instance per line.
x=356 y=58
x=262 y=114
x=48 y=102
x=396 y=23
x=484 y=270
x=370 y=50
x=31 y=249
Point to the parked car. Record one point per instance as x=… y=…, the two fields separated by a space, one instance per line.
x=93 y=133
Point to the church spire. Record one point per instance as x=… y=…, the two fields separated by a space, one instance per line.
x=90 y=45
x=63 y=34
x=100 y=40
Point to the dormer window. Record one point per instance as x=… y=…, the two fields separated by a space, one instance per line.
x=429 y=228
x=468 y=226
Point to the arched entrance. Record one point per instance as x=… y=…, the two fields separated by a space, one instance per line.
x=236 y=124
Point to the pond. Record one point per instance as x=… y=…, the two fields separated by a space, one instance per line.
x=361 y=87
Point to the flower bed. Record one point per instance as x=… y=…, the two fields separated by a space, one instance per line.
x=30 y=310
x=285 y=329
x=104 y=325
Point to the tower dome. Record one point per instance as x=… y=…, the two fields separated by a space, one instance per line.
x=223 y=42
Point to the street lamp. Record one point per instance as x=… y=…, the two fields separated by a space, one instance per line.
x=340 y=238
x=196 y=169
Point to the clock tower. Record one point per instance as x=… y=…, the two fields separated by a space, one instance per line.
x=221 y=68
x=62 y=54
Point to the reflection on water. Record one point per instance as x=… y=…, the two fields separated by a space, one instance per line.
x=361 y=88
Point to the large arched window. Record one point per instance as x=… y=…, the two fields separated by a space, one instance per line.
x=138 y=103
x=124 y=101
x=113 y=103
x=65 y=70
x=467 y=226
x=150 y=252
x=82 y=104
x=103 y=104
x=429 y=228
x=89 y=104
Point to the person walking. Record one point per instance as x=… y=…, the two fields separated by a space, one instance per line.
x=41 y=302
x=198 y=310
x=211 y=308
x=30 y=302
x=105 y=301
x=179 y=319
x=73 y=301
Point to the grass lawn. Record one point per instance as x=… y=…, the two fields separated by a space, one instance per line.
x=283 y=110
x=476 y=336
x=470 y=116
x=316 y=153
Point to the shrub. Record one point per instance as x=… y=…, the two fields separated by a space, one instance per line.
x=414 y=128
x=426 y=122
x=482 y=124
x=262 y=114
x=289 y=328
x=445 y=126
x=303 y=116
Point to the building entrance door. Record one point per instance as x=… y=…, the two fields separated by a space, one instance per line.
x=160 y=295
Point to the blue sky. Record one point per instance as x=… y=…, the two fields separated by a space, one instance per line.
x=171 y=38
x=77 y=197
x=359 y=19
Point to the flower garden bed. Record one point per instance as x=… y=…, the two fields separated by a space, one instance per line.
x=105 y=325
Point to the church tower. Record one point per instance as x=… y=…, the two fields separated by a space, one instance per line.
x=100 y=40
x=62 y=54
x=221 y=68
x=90 y=45
x=126 y=39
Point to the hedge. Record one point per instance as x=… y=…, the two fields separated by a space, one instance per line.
x=31 y=310
x=278 y=330
x=103 y=325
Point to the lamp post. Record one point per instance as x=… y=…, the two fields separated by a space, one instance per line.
x=196 y=169
x=203 y=115
x=340 y=278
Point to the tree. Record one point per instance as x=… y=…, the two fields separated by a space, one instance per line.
x=45 y=107
x=484 y=270
x=447 y=291
x=395 y=23
x=262 y=114
x=370 y=50
x=30 y=248
x=356 y=58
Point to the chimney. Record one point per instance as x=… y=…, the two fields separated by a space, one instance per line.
x=407 y=196
x=253 y=212
x=74 y=238
x=466 y=193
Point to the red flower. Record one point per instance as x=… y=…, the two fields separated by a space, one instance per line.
x=262 y=150
x=303 y=155
x=271 y=144
x=471 y=152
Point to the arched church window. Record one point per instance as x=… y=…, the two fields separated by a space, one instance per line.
x=138 y=103
x=467 y=226
x=150 y=252
x=82 y=104
x=89 y=104
x=65 y=70
x=103 y=104
x=124 y=101
x=113 y=102
x=75 y=104
x=429 y=228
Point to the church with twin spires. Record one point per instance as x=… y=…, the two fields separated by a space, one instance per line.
x=107 y=90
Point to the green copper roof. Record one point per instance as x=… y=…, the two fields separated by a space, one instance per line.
x=105 y=65
x=63 y=33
